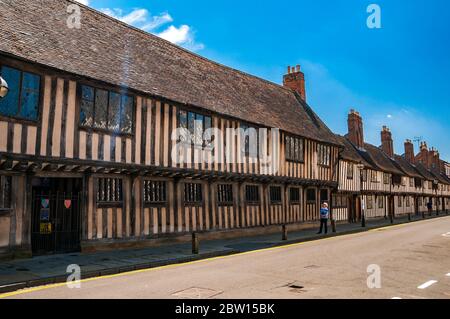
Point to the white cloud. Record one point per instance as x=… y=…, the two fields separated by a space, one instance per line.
x=141 y=18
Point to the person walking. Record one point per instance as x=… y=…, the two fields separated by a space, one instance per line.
x=324 y=215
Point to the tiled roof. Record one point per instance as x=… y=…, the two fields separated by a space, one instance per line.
x=113 y=52
x=378 y=158
x=350 y=153
x=425 y=172
x=406 y=167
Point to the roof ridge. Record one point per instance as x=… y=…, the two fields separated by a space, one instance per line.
x=148 y=34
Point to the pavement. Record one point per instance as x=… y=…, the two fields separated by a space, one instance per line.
x=20 y=274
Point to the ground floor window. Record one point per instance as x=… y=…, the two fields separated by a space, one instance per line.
x=109 y=191
x=294 y=195
x=275 y=195
x=155 y=192
x=311 y=195
x=400 y=201
x=339 y=201
x=5 y=192
x=408 y=204
x=369 y=202
x=419 y=201
x=193 y=193
x=225 y=194
x=252 y=194
x=380 y=202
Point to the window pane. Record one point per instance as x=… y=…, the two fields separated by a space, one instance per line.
x=30 y=96
x=9 y=105
x=101 y=109
x=87 y=93
x=114 y=112
x=86 y=113
x=191 y=124
x=208 y=125
x=199 y=129
x=126 y=114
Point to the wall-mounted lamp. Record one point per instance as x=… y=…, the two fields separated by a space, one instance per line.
x=3 y=88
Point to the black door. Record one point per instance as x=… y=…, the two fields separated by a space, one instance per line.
x=56 y=220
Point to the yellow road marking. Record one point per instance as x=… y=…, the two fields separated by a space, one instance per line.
x=34 y=289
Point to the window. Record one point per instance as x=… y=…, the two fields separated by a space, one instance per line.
x=373 y=176
x=369 y=202
x=225 y=194
x=400 y=201
x=323 y=155
x=109 y=191
x=155 y=192
x=294 y=195
x=408 y=204
x=350 y=169
x=252 y=194
x=196 y=124
x=364 y=175
x=403 y=179
x=106 y=110
x=249 y=141
x=411 y=182
x=380 y=202
x=386 y=178
x=275 y=195
x=294 y=149
x=311 y=195
x=339 y=201
x=5 y=192
x=193 y=193
x=22 y=100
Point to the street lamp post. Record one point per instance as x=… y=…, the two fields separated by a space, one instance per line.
x=3 y=88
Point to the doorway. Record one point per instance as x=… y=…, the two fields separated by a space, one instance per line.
x=56 y=215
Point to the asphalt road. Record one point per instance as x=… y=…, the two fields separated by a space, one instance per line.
x=413 y=261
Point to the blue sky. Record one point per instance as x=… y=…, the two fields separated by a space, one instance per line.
x=396 y=76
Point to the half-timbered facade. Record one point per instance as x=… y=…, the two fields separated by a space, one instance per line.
x=125 y=145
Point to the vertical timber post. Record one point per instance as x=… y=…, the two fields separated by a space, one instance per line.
x=284 y=232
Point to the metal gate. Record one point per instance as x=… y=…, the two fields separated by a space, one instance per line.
x=56 y=222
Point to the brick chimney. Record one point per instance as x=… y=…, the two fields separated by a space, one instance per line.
x=433 y=158
x=387 y=145
x=295 y=80
x=355 y=129
x=409 y=151
x=422 y=157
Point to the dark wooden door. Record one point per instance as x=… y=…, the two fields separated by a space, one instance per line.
x=56 y=216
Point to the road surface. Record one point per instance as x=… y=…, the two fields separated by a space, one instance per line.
x=404 y=261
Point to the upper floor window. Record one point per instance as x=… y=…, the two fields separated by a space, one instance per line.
x=249 y=140
x=155 y=192
x=411 y=182
x=22 y=100
x=193 y=193
x=364 y=175
x=386 y=178
x=294 y=195
x=275 y=194
x=225 y=194
x=373 y=176
x=252 y=194
x=323 y=153
x=106 y=110
x=109 y=191
x=350 y=169
x=5 y=192
x=294 y=149
x=400 y=201
x=408 y=204
x=196 y=125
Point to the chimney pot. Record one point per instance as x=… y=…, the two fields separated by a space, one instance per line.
x=298 y=68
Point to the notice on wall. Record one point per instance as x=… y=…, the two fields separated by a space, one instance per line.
x=46 y=228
